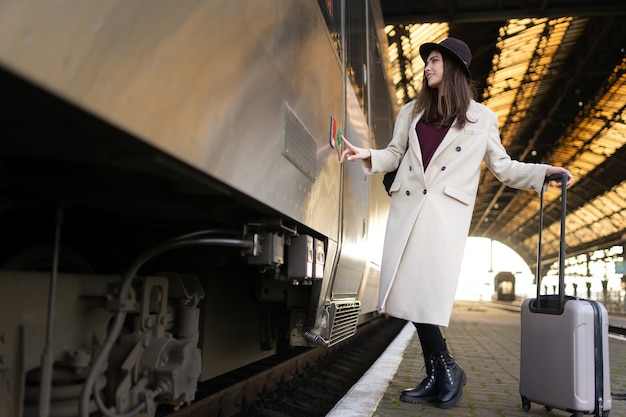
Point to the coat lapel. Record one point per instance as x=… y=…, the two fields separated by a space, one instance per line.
x=414 y=143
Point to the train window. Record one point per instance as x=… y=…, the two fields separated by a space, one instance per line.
x=356 y=48
x=381 y=97
x=331 y=9
x=355 y=41
x=365 y=68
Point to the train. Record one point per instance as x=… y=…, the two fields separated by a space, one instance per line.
x=171 y=203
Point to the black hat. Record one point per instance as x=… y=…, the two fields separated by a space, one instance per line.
x=454 y=48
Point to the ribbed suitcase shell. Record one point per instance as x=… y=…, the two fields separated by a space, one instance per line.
x=558 y=357
x=564 y=360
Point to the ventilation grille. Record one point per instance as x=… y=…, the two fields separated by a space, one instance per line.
x=299 y=146
x=344 y=318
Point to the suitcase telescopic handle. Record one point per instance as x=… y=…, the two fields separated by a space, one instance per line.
x=563 y=178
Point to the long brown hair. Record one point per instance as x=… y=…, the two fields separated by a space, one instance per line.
x=450 y=101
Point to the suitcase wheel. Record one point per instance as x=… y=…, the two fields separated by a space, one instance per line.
x=525 y=404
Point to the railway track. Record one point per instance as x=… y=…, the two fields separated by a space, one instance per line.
x=616 y=329
x=306 y=382
x=302 y=382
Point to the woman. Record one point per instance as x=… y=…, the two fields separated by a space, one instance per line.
x=439 y=142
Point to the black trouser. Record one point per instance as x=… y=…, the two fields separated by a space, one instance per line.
x=431 y=338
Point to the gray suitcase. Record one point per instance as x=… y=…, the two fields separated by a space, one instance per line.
x=564 y=345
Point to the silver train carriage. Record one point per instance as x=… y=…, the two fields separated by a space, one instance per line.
x=171 y=204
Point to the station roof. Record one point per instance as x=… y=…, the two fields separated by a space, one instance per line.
x=555 y=74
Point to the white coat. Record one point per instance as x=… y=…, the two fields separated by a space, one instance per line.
x=431 y=211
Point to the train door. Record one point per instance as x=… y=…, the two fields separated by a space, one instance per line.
x=355 y=196
x=369 y=101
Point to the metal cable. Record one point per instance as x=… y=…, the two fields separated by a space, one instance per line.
x=120 y=316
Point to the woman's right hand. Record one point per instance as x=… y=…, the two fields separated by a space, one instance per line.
x=352 y=153
x=552 y=170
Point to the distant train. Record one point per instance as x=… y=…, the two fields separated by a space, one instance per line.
x=171 y=205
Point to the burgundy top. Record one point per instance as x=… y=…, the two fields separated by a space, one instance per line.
x=429 y=136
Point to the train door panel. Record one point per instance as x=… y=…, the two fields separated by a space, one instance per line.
x=355 y=206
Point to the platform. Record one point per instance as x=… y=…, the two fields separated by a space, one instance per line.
x=485 y=340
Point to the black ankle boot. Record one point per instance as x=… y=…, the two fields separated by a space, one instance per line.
x=426 y=391
x=451 y=379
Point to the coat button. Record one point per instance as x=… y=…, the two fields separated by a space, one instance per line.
x=443 y=168
x=408 y=192
x=458 y=149
x=410 y=168
x=425 y=191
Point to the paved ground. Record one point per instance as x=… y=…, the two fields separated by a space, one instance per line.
x=485 y=342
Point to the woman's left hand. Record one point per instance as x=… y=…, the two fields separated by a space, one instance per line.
x=560 y=170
